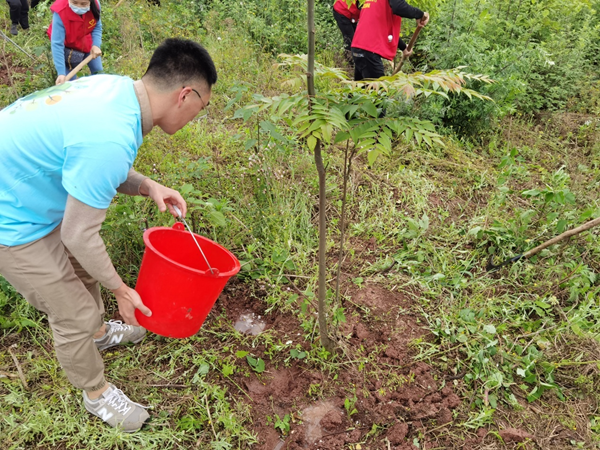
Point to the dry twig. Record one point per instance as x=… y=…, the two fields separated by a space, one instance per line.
x=4 y=374
x=19 y=370
x=210 y=418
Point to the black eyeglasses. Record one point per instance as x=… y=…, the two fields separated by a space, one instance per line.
x=205 y=108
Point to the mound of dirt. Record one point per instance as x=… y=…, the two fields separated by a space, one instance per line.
x=331 y=411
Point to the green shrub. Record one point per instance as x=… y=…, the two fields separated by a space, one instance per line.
x=539 y=53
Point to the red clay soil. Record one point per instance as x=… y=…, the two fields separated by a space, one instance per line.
x=398 y=396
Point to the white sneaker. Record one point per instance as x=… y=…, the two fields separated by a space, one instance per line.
x=115 y=408
x=119 y=333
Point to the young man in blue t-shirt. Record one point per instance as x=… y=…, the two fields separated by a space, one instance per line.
x=57 y=181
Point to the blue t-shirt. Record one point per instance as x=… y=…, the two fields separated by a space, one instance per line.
x=79 y=138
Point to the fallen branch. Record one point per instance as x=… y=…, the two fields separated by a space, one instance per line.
x=19 y=370
x=178 y=386
x=4 y=374
x=210 y=418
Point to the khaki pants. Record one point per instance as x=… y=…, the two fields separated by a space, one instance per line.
x=52 y=281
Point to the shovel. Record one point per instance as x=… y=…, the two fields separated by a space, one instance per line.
x=78 y=67
x=17 y=45
x=586 y=226
x=409 y=47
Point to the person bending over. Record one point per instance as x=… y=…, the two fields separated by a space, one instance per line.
x=58 y=180
x=378 y=35
x=75 y=33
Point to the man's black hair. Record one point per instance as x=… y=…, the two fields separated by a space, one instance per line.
x=95 y=10
x=180 y=61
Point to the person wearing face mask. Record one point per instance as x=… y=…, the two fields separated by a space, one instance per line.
x=75 y=33
x=19 y=15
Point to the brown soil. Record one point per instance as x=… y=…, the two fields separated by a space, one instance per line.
x=397 y=395
x=395 y=400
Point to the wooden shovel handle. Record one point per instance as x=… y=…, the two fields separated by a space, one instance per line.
x=72 y=73
x=414 y=37
x=586 y=226
x=409 y=47
x=560 y=237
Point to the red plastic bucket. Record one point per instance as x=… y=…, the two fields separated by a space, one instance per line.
x=175 y=282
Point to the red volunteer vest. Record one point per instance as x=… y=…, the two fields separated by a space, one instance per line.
x=78 y=28
x=341 y=7
x=377 y=23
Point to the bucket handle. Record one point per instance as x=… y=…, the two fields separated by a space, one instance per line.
x=215 y=272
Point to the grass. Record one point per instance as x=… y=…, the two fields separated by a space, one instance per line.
x=524 y=340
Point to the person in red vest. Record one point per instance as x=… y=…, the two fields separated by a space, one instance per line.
x=347 y=20
x=378 y=35
x=75 y=33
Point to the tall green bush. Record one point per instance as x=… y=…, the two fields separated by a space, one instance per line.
x=538 y=51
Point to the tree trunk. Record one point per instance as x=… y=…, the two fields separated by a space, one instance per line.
x=310 y=81
x=310 y=76
x=347 y=169
x=325 y=340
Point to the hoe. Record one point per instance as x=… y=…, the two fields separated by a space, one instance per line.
x=586 y=226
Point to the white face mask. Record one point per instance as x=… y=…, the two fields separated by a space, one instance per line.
x=79 y=10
